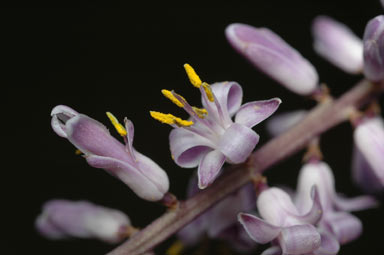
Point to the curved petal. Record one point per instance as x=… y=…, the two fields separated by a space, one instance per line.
x=238 y=142
x=188 y=148
x=252 y=113
x=130 y=134
x=143 y=186
x=258 y=229
x=299 y=239
x=209 y=167
x=345 y=226
x=356 y=203
x=314 y=214
x=60 y=114
x=329 y=245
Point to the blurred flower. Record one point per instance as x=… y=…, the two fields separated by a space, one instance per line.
x=101 y=150
x=374 y=49
x=272 y=55
x=64 y=219
x=338 y=44
x=368 y=162
x=282 y=122
x=210 y=137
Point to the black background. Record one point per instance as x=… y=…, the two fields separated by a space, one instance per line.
x=96 y=59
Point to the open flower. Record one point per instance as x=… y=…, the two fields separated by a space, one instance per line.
x=335 y=220
x=368 y=164
x=272 y=55
x=101 y=150
x=290 y=231
x=64 y=219
x=211 y=137
x=338 y=44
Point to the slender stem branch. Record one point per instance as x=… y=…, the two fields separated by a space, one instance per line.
x=320 y=119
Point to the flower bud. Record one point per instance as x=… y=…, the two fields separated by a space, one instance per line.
x=272 y=55
x=63 y=219
x=338 y=44
x=374 y=49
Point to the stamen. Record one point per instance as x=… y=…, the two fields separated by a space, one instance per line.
x=176 y=248
x=201 y=112
x=78 y=152
x=208 y=91
x=119 y=128
x=170 y=119
x=168 y=94
x=193 y=77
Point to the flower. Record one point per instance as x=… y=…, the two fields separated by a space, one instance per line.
x=210 y=137
x=290 y=231
x=63 y=219
x=338 y=44
x=368 y=164
x=335 y=220
x=374 y=49
x=101 y=150
x=272 y=55
x=220 y=222
x=282 y=122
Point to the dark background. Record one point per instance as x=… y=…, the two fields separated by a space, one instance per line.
x=118 y=59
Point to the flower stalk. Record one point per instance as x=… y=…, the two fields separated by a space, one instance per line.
x=323 y=117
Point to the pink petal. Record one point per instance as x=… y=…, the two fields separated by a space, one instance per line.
x=209 y=167
x=258 y=229
x=299 y=239
x=345 y=226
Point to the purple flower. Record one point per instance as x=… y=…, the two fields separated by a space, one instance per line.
x=368 y=165
x=338 y=44
x=101 y=150
x=290 y=231
x=343 y=226
x=272 y=55
x=282 y=122
x=374 y=49
x=64 y=219
x=220 y=222
x=210 y=137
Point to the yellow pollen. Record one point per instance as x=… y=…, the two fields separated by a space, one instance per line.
x=175 y=248
x=170 y=119
x=193 y=77
x=201 y=112
x=208 y=91
x=119 y=128
x=78 y=152
x=168 y=94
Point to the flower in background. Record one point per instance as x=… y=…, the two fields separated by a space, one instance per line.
x=101 y=150
x=374 y=49
x=338 y=44
x=272 y=55
x=282 y=122
x=62 y=219
x=368 y=161
x=211 y=137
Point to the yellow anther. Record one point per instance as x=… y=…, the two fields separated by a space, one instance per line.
x=78 y=152
x=201 y=112
x=208 y=91
x=168 y=94
x=170 y=119
x=175 y=248
x=119 y=128
x=193 y=77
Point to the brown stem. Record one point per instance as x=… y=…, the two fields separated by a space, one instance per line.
x=321 y=118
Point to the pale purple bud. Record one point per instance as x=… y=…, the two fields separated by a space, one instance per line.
x=338 y=44
x=102 y=150
x=272 y=55
x=369 y=160
x=64 y=219
x=282 y=122
x=374 y=49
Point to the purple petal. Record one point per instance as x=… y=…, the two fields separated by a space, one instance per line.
x=374 y=49
x=229 y=95
x=60 y=115
x=150 y=183
x=274 y=250
x=338 y=44
x=209 y=167
x=299 y=239
x=281 y=123
x=187 y=148
x=238 y=142
x=316 y=211
x=329 y=245
x=252 y=113
x=268 y=52
x=356 y=203
x=345 y=226
x=258 y=229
